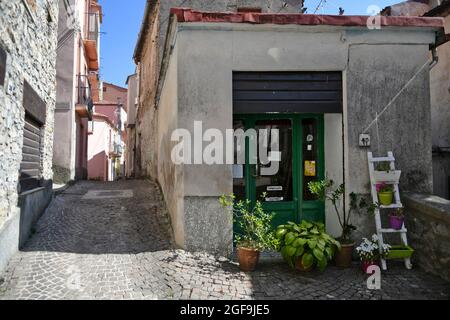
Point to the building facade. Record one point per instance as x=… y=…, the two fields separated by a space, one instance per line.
x=440 y=89
x=130 y=151
x=77 y=86
x=28 y=44
x=106 y=144
x=322 y=81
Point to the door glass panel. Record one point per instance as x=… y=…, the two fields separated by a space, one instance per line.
x=278 y=187
x=238 y=169
x=310 y=157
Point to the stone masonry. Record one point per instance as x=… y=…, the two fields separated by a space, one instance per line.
x=28 y=34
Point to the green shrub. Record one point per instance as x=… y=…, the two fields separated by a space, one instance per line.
x=308 y=241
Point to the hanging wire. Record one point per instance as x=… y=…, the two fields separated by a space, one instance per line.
x=319 y=5
x=395 y=97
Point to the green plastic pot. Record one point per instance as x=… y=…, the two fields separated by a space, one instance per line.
x=386 y=198
x=400 y=252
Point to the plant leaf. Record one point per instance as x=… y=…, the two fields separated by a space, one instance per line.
x=312 y=243
x=322 y=264
x=318 y=254
x=307 y=260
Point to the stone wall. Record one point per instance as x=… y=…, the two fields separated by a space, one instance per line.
x=428 y=223
x=28 y=34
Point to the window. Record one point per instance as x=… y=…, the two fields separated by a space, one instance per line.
x=35 y=116
x=2 y=66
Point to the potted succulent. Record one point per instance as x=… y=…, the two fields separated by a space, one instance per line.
x=306 y=245
x=384 y=173
x=369 y=252
x=256 y=234
x=324 y=191
x=385 y=193
x=397 y=219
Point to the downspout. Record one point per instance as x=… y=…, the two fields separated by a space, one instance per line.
x=435 y=58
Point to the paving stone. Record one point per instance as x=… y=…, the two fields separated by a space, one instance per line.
x=121 y=248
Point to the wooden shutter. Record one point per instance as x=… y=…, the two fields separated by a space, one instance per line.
x=287 y=92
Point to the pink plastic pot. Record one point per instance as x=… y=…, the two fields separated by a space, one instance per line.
x=366 y=264
x=396 y=222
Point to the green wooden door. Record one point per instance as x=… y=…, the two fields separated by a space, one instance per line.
x=302 y=160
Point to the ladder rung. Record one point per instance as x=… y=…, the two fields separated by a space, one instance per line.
x=392 y=206
x=384 y=159
x=404 y=230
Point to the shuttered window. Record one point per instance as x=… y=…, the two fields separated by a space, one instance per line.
x=30 y=167
x=35 y=115
x=287 y=92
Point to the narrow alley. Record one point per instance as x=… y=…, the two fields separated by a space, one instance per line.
x=106 y=241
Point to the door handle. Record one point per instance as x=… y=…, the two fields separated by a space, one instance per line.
x=255 y=171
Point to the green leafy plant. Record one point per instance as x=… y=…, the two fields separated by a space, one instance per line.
x=256 y=225
x=307 y=241
x=324 y=191
x=383 y=166
x=400 y=213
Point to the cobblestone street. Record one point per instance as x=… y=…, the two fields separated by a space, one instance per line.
x=111 y=241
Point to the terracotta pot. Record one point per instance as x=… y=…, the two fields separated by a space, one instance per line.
x=343 y=258
x=248 y=259
x=366 y=264
x=300 y=267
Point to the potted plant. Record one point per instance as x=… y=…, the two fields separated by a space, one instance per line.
x=385 y=193
x=306 y=245
x=384 y=173
x=324 y=191
x=369 y=252
x=257 y=233
x=397 y=219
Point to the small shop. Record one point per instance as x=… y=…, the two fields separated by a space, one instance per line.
x=332 y=88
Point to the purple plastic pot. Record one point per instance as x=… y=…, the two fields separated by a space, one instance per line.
x=396 y=222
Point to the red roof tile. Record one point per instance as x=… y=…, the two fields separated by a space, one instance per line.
x=189 y=15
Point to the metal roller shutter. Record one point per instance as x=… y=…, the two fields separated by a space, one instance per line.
x=287 y=92
x=30 y=167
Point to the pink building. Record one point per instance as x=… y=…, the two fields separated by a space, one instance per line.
x=105 y=146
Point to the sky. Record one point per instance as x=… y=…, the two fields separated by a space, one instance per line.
x=122 y=22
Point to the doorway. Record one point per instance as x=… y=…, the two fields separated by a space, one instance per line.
x=285 y=193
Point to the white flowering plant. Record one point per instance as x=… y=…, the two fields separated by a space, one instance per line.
x=369 y=250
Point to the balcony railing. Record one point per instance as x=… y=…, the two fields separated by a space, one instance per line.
x=84 y=99
x=115 y=149
x=84 y=90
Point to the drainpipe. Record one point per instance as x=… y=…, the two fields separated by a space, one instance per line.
x=435 y=58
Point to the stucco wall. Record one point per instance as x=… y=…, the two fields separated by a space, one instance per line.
x=440 y=118
x=374 y=69
x=170 y=176
x=30 y=42
x=98 y=151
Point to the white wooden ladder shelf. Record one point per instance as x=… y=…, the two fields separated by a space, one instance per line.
x=392 y=178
